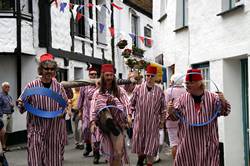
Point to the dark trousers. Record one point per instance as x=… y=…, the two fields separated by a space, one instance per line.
x=221 y=147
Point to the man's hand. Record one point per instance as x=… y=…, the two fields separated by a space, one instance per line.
x=170 y=107
x=19 y=103
x=221 y=97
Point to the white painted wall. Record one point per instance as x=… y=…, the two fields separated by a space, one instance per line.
x=123 y=24
x=234 y=148
x=72 y=65
x=27 y=39
x=60 y=28
x=8 y=35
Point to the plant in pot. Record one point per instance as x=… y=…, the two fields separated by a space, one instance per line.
x=122 y=44
x=131 y=62
x=137 y=51
x=126 y=53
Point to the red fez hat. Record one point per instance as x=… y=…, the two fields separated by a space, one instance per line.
x=193 y=75
x=91 y=69
x=46 y=57
x=151 y=69
x=107 y=68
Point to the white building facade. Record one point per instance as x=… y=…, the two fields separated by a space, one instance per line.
x=213 y=36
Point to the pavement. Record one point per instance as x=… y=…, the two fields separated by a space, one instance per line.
x=73 y=157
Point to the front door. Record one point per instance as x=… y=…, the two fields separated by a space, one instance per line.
x=244 y=76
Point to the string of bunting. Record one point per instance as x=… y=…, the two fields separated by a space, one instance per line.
x=77 y=13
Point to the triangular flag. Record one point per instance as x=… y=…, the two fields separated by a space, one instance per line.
x=74 y=10
x=56 y=3
x=112 y=31
x=149 y=41
x=101 y=27
x=79 y=16
x=71 y=5
x=91 y=22
x=80 y=8
x=114 y=5
x=132 y=36
x=141 y=38
x=99 y=7
x=62 y=6
x=109 y=11
x=89 y=5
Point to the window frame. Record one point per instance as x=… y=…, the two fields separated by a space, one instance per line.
x=147 y=36
x=205 y=70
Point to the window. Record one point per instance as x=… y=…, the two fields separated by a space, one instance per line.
x=134 y=29
x=78 y=73
x=204 y=67
x=147 y=34
x=81 y=27
x=230 y=4
x=26 y=6
x=181 y=14
x=101 y=22
x=7 y=4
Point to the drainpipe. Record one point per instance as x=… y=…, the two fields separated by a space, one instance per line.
x=18 y=50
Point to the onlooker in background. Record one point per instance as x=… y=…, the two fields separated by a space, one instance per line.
x=175 y=90
x=6 y=110
x=77 y=116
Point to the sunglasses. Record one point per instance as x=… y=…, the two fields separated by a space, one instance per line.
x=48 y=68
x=92 y=74
x=150 y=75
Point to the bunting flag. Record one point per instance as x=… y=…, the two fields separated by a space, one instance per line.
x=141 y=38
x=79 y=16
x=149 y=41
x=74 y=10
x=80 y=8
x=114 y=5
x=112 y=31
x=63 y=6
x=101 y=27
x=71 y=6
x=109 y=11
x=89 y=5
x=132 y=36
x=99 y=7
x=91 y=22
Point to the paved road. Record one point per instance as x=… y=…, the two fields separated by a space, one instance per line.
x=73 y=157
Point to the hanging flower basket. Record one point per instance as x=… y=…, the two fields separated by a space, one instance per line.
x=122 y=44
x=131 y=62
x=137 y=51
x=126 y=53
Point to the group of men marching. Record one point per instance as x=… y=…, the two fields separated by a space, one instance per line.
x=107 y=110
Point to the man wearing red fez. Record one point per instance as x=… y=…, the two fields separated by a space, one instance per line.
x=46 y=137
x=110 y=121
x=197 y=145
x=84 y=102
x=148 y=102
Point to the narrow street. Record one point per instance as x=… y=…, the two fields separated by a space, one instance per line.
x=73 y=157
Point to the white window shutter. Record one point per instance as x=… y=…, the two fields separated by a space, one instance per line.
x=179 y=14
x=185 y=13
x=225 y=5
